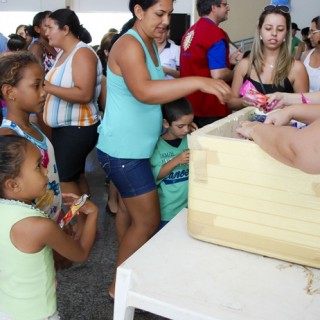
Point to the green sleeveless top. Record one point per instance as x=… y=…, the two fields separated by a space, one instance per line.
x=27 y=290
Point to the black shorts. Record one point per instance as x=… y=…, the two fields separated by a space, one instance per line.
x=71 y=145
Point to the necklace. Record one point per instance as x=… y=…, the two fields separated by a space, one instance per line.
x=271 y=66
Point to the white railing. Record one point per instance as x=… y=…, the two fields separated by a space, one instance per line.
x=244 y=44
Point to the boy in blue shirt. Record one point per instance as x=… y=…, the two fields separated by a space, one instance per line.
x=170 y=159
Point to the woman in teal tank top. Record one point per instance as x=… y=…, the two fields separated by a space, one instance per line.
x=132 y=122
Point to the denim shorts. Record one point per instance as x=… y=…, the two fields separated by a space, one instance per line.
x=132 y=177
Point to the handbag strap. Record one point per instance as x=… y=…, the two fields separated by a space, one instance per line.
x=258 y=75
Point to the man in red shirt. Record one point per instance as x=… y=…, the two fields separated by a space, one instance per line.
x=205 y=52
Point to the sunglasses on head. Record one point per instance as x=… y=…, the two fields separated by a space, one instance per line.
x=271 y=7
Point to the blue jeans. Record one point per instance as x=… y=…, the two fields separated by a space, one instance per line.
x=132 y=177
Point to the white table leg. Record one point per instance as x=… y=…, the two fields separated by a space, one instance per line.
x=121 y=310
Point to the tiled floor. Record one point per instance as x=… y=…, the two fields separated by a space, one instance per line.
x=82 y=289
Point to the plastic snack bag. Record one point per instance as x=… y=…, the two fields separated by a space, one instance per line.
x=73 y=210
x=250 y=93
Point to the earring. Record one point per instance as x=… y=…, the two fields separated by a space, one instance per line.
x=260 y=37
x=140 y=19
x=13 y=99
x=284 y=40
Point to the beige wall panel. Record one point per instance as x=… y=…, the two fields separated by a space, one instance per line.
x=243 y=18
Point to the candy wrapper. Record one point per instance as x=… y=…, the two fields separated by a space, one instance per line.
x=73 y=210
x=262 y=117
x=250 y=93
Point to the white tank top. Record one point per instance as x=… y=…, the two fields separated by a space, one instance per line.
x=313 y=73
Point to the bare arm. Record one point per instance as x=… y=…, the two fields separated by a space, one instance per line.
x=287 y=99
x=32 y=234
x=298 y=148
x=299 y=77
x=225 y=74
x=76 y=250
x=127 y=59
x=182 y=158
x=237 y=102
x=84 y=75
x=299 y=51
x=172 y=72
x=103 y=94
x=36 y=49
x=303 y=113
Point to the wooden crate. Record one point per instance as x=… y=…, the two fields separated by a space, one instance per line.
x=242 y=198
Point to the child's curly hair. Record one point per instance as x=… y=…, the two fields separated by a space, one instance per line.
x=12 y=66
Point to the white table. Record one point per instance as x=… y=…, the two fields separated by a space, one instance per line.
x=178 y=277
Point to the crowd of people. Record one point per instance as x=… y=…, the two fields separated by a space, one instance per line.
x=135 y=98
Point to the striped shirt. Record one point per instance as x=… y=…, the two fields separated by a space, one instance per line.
x=61 y=113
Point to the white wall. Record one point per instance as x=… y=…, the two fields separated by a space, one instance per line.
x=303 y=11
x=181 y=6
x=16 y=12
x=96 y=23
x=104 y=14
x=243 y=17
x=98 y=16
x=31 y=5
x=99 y=5
x=184 y=6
